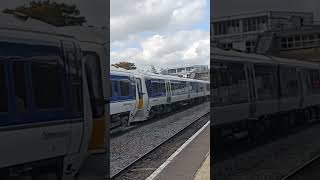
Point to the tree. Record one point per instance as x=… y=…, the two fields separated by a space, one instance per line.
x=125 y=65
x=153 y=69
x=57 y=14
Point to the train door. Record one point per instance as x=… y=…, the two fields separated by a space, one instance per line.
x=168 y=87
x=140 y=94
x=188 y=89
x=92 y=63
x=74 y=69
x=251 y=86
x=301 y=87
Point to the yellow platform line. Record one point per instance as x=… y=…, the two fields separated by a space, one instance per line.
x=204 y=172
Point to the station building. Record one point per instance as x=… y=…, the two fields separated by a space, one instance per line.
x=193 y=71
x=242 y=30
x=279 y=33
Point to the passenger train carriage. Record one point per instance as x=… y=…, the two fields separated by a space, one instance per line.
x=45 y=118
x=153 y=94
x=123 y=97
x=255 y=93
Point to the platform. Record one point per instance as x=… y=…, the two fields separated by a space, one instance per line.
x=94 y=168
x=192 y=162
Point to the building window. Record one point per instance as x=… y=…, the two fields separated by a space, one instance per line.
x=284 y=43
x=189 y=68
x=245 y=25
x=298 y=41
x=215 y=29
x=250 y=46
x=290 y=42
x=172 y=71
x=180 y=70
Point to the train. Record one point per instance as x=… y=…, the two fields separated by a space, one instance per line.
x=53 y=92
x=256 y=95
x=139 y=96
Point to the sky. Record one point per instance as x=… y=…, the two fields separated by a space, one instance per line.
x=95 y=11
x=163 y=33
x=229 y=7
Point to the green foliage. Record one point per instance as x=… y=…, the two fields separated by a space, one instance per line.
x=57 y=14
x=125 y=65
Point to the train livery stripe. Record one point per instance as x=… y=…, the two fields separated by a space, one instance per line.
x=41 y=124
x=98 y=135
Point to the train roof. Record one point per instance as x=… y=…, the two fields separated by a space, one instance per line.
x=120 y=71
x=158 y=76
x=10 y=22
x=257 y=58
x=86 y=34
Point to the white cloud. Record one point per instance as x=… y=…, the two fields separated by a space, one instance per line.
x=130 y=17
x=159 y=32
x=182 y=47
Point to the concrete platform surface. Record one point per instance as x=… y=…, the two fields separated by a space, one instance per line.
x=188 y=162
x=204 y=171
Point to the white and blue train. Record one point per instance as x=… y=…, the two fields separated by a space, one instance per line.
x=50 y=91
x=139 y=96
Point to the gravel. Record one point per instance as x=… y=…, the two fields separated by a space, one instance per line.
x=271 y=161
x=129 y=147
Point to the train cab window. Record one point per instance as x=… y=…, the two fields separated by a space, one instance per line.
x=265 y=78
x=139 y=88
x=230 y=85
x=115 y=88
x=125 y=88
x=73 y=65
x=47 y=85
x=94 y=79
x=20 y=89
x=289 y=82
x=110 y=89
x=3 y=90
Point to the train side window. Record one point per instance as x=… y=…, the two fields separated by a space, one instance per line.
x=47 y=85
x=3 y=90
x=314 y=82
x=230 y=85
x=124 y=87
x=20 y=89
x=163 y=87
x=289 y=82
x=265 y=79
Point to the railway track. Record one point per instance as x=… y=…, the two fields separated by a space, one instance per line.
x=301 y=170
x=141 y=167
x=118 y=131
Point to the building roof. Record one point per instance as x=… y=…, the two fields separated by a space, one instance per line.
x=185 y=66
x=253 y=14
